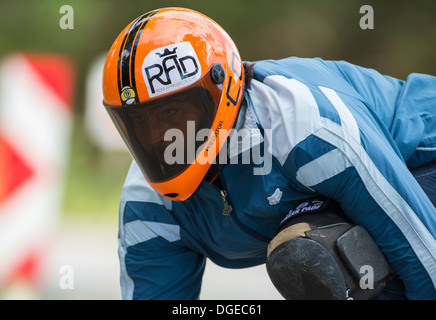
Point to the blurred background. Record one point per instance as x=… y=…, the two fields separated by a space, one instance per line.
x=62 y=166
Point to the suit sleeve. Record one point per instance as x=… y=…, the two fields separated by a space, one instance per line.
x=345 y=132
x=406 y=107
x=376 y=190
x=154 y=264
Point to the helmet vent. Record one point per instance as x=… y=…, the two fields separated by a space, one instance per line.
x=217 y=73
x=171 y=195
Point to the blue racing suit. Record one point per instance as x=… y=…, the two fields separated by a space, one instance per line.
x=338 y=130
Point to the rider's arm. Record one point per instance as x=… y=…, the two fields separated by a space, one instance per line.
x=406 y=108
x=154 y=263
x=329 y=140
x=377 y=191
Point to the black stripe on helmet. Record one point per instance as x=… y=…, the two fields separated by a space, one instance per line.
x=126 y=59
x=120 y=86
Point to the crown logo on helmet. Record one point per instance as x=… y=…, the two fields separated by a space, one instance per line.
x=166 y=52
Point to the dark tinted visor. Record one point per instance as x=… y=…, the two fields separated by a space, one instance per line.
x=162 y=134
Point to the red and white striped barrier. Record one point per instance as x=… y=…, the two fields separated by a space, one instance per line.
x=36 y=115
x=98 y=124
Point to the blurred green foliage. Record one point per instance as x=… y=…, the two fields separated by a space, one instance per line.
x=403 y=41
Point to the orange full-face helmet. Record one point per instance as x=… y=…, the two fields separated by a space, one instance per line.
x=173 y=83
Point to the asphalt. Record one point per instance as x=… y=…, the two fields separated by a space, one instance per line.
x=83 y=264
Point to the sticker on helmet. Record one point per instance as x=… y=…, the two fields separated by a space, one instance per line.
x=170 y=68
x=128 y=95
